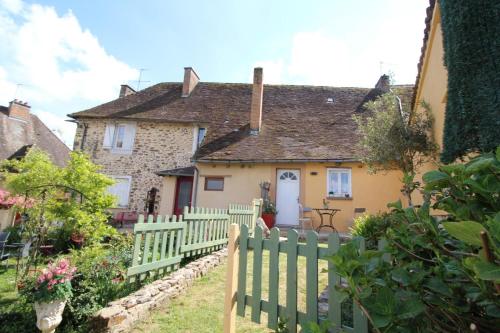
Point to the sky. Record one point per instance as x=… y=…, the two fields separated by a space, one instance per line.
x=69 y=55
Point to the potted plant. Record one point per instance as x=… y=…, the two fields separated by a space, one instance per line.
x=269 y=213
x=50 y=292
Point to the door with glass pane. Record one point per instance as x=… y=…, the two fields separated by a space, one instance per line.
x=183 y=191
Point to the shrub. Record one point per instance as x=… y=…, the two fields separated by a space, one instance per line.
x=100 y=279
x=433 y=276
x=371 y=227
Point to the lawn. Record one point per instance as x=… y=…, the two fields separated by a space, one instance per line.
x=201 y=308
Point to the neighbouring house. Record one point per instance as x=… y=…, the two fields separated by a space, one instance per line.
x=21 y=130
x=210 y=144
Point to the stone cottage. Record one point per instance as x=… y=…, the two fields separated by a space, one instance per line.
x=210 y=144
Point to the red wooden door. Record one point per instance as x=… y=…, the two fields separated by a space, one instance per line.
x=183 y=192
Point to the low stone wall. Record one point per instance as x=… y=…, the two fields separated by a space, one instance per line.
x=122 y=314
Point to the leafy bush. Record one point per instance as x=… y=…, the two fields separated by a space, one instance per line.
x=434 y=276
x=100 y=279
x=371 y=227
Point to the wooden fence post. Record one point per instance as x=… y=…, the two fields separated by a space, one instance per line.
x=231 y=279
x=256 y=206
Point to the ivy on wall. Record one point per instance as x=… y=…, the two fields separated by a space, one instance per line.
x=471 y=31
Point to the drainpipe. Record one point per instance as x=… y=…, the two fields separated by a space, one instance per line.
x=84 y=135
x=195 y=187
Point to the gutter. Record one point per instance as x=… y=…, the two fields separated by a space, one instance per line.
x=276 y=161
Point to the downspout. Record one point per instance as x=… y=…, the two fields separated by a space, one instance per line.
x=84 y=135
x=194 y=196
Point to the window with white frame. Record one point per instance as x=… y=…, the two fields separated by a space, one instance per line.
x=339 y=183
x=121 y=190
x=119 y=138
x=201 y=135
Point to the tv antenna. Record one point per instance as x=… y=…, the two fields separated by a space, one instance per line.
x=139 y=80
x=18 y=88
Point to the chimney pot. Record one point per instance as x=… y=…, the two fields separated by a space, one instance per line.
x=257 y=96
x=19 y=110
x=126 y=90
x=191 y=79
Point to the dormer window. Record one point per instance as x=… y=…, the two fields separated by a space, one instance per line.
x=329 y=100
x=201 y=135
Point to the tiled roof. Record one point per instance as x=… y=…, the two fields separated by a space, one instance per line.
x=298 y=123
x=16 y=136
x=427 y=31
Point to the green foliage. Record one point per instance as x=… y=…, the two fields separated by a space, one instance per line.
x=100 y=279
x=75 y=196
x=371 y=227
x=15 y=235
x=472 y=58
x=434 y=276
x=389 y=139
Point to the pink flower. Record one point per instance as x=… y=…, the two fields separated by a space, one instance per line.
x=48 y=275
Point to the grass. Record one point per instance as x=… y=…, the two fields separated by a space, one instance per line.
x=201 y=308
x=8 y=292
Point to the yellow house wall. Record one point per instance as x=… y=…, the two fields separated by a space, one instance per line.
x=432 y=88
x=241 y=185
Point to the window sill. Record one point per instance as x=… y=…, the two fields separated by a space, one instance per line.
x=339 y=198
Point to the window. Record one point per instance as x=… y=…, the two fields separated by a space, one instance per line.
x=201 y=135
x=288 y=175
x=121 y=189
x=119 y=138
x=339 y=183
x=214 y=183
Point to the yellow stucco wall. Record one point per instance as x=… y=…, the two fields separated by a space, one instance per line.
x=432 y=86
x=241 y=185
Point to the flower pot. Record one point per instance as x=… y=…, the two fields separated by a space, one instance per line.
x=269 y=219
x=49 y=315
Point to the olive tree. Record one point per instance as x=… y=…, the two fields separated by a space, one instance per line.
x=394 y=138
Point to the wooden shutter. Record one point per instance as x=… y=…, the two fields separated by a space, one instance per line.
x=109 y=133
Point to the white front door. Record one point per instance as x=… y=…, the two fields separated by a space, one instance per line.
x=287 y=197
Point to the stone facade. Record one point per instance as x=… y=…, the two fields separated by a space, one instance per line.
x=121 y=315
x=157 y=146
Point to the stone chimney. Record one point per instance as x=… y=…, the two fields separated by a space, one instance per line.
x=384 y=83
x=191 y=79
x=19 y=110
x=126 y=90
x=256 y=107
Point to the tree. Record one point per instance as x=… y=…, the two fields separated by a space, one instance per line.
x=68 y=200
x=393 y=138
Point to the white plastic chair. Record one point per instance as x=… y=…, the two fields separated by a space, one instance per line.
x=303 y=219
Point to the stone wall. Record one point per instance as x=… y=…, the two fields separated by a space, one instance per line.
x=121 y=315
x=157 y=146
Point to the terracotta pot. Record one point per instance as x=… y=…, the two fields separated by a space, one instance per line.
x=77 y=240
x=49 y=315
x=269 y=219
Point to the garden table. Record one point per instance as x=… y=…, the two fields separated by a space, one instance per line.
x=330 y=212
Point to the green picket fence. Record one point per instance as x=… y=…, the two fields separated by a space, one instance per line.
x=290 y=247
x=161 y=244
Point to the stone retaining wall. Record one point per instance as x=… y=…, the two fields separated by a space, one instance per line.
x=122 y=314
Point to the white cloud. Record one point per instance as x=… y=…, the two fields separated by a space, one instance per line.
x=59 y=126
x=273 y=71
x=320 y=58
x=61 y=66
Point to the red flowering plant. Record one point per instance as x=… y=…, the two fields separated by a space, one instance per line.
x=53 y=283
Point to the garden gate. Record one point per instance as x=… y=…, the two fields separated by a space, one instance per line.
x=237 y=299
